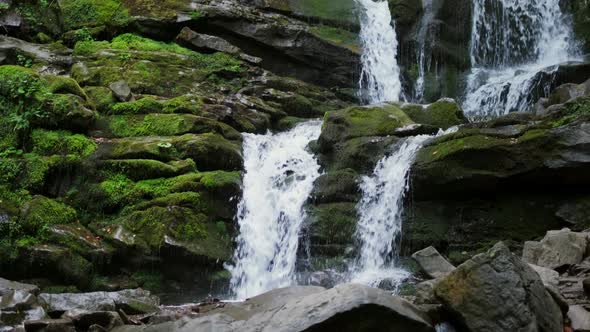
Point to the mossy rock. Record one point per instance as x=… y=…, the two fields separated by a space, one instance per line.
x=101 y=97
x=332 y=227
x=360 y=154
x=87 y=13
x=143 y=169
x=443 y=113
x=337 y=186
x=152 y=67
x=209 y=151
x=163 y=125
x=355 y=122
x=63 y=143
x=41 y=212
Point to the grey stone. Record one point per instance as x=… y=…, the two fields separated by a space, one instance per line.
x=7 y=285
x=432 y=263
x=579 y=318
x=85 y=319
x=50 y=325
x=137 y=301
x=205 y=43
x=121 y=90
x=548 y=276
x=496 y=291
x=347 y=307
x=556 y=249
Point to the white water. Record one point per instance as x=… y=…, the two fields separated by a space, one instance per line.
x=424 y=48
x=511 y=42
x=380 y=75
x=279 y=177
x=380 y=213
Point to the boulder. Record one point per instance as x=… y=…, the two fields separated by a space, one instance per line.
x=363 y=121
x=132 y=302
x=556 y=249
x=443 y=113
x=205 y=43
x=579 y=318
x=50 y=325
x=347 y=307
x=8 y=285
x=496 y=291
x=83 y=319
x=121 y=90
x=476 y=160
x=432 y=263
x=548 y=276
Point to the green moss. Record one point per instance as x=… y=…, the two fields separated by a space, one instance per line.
x=141 y=169
x=161 y=9
x=41 y=212
x=331 y=10
x=141 y=106
x=220 y=179
x=338 y=36
x=81 y=13
x=149 y=125
x=334 y=223
x=185 y=199
x=63 y=84
x=355 y=122
x=183 y=104
x=441 y=114
x=47 y=143
x=120 y=190
x=101 y=97
x=439 y=151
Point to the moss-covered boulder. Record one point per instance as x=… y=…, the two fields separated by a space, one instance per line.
x=337 y=186
x=443 y=113
x=332 y=228
x=42 y=212
x=162 y=125
x=150 y=67
x=355 y=122
x=209 y=151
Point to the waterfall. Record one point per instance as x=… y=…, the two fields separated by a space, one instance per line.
x=380 y=213
x=380 y=75
x=424 y=48
x=512 y=42
x=279 y=176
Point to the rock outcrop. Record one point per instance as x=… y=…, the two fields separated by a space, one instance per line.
x=496 y=291
x=346 y=307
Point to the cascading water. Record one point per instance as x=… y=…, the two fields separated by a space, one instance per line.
x=380 y=76
x=424 y=48
x=279 y=176
x=380 y=213
x=512 y=41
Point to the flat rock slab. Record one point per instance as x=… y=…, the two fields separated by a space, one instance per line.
x=137 y=301
x=345 y=308
x=556 y=249
x=432 y=263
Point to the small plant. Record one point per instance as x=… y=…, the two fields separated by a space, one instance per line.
x=24 y=61
x=195 y=15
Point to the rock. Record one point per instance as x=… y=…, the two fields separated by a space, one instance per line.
x=558 y=298
x=54 y=59
x=432 y=263
x=579 y=318
x=443 y=113
x=556 y=249
x=50 y=325
x=83 y=320
x=205 y=43
x=347 y=307
x=574 y=212
x=365 y=121
x=121 y=90
x=476 y=159
x=7 y=285
x=496 y=291
x=425 y=292
x=586 y=286
x=133 y=302
x=548 y=276
x=288 y=46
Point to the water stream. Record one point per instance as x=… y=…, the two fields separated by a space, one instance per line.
x=380 y=75
x=425 y=40
x=278 y=179
x=511 y=42
x=380 y=215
